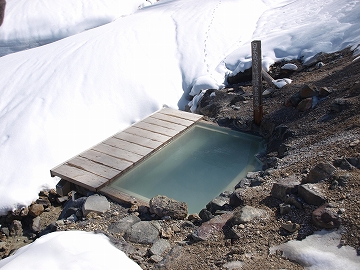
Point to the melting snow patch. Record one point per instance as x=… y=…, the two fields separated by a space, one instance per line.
x=322 y=250
x=281 y=82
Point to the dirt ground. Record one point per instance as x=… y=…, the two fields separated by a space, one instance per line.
x=327 y=132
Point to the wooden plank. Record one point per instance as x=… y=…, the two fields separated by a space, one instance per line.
x=166 y=124
x=148 y=134
x=138 y=140
x=128 y=146
x=173 y=119
x=121 y=197
x=79 y=177
x=181 y=114
x=107 y=160
x=156 y=129
x=95 y=168
x=116 y=152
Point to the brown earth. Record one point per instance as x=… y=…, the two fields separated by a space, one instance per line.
x=327 y=132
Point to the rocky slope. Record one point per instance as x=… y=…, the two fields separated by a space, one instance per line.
x=310 y=180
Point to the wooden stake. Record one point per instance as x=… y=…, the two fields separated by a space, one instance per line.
x=257 y=80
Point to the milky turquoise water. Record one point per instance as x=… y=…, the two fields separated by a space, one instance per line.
x=195 y=167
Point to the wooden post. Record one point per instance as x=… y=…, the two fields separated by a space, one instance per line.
x=257 y=80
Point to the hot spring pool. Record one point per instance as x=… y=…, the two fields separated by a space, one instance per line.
x=195 y=167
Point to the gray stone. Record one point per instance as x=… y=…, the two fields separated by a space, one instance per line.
x=320 y=172
x=343 y=164
x=218 y=203
x=75 y=204
x=243 y=183
x=284 y=208
x=236 y=199
x=170 y=260
x=326 y=217
x=143 y=232
x=290 y=227
x=163 y=206
x=205 y=215
x=246 y=214
x=16 y=228
x=311 y=195
x=36 y=225
x=122 y=245
x=156 y=258
x=159 y=247
x=124 y=224
x=5 y=230
x=284 y=187
x=95 y=203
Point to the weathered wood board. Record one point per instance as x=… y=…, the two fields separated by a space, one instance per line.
x=96 y=167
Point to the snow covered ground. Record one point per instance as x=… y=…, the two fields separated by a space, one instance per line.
x=101 y=70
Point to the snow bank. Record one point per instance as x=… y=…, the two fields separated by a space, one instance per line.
x=69 y=250
x=322 y=250
x=28 y=24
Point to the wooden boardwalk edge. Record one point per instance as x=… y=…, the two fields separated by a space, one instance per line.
x=97 y=166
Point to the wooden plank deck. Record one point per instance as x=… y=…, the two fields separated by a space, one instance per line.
x=98 y=166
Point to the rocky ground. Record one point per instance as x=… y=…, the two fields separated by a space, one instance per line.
x=310 y=181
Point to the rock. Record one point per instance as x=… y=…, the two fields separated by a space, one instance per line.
x=354 y=143
x=164 y=206
x=305 y=104
x=36 y=209
x=311 y=195
x=36 y=224
x=355 y=161
x=236 y=198
x=266 y=128
x=326 y=217
x=291 y=199
x=171 y=258
x=44 y=201
x=211 y=227
x=339 y=105
x=285 y=186
x=16 y=228
x=3 y=246
x=278 y=137
x=122 y=245
x=246 y=214
x=234 y=265
x=205 y=215
x=62 y=199
x=156 y=258
x=319 y=65
x=143 y=232
x=324 y=92
x=166 y=232
x=293 y=101
x=159 y=247
x=73 y=205
x=290 y=227
x=308 y=91
x=95 y=203
x=5 y=231
x=123 y=224
x=284 y=208
x=290 y=66
x=194 y=218
x=320 y=172
x=343 y=164
x=218 y=203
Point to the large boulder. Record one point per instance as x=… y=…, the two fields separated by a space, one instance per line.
x=143 y=232
x=320 y=172
x=326 y=217
x=163 y=206
x=95 y=203
x=284 y=187
x=311 y=194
